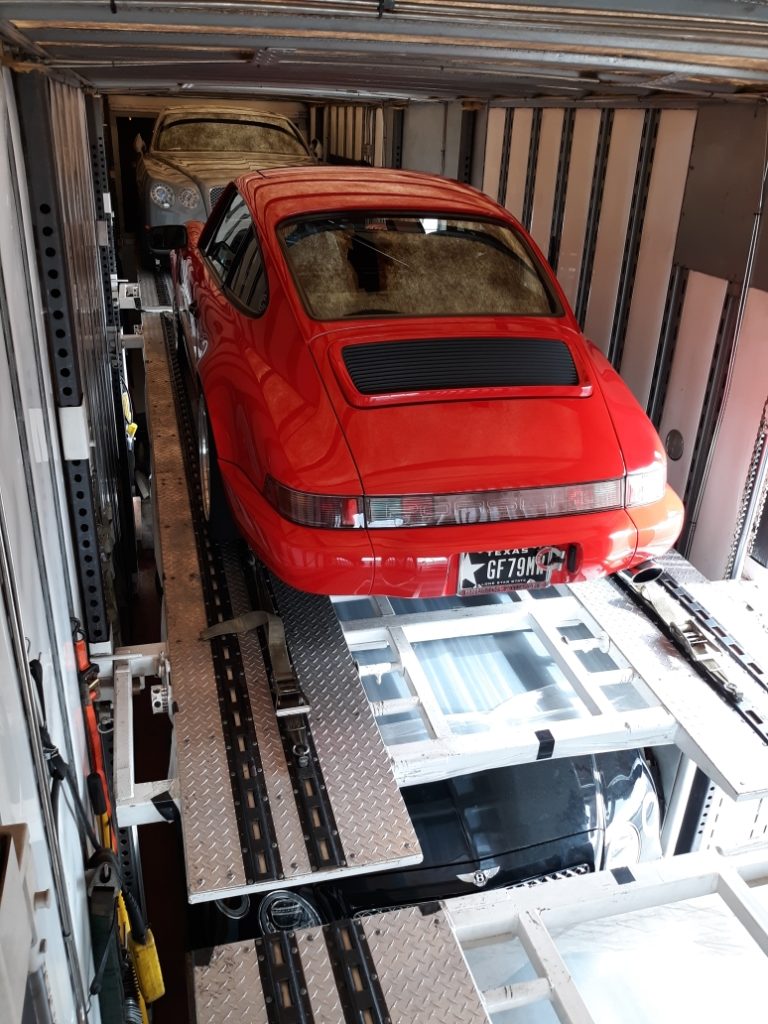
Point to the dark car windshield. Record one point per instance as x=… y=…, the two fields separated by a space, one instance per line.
x=364 y=265
x=490 y=813
x=204 y=135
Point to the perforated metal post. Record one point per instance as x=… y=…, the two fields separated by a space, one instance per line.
x=56 y=287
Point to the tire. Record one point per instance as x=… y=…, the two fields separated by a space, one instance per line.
x=215 y=507
x=179 y=345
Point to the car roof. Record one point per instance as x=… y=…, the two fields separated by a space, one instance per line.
x=275 y=194
x=205 y=109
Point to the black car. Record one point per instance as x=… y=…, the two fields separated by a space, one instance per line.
x=491 y=829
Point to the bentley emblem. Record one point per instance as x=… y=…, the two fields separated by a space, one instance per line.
x=479 y=878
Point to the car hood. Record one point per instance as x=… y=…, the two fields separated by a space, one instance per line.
x=473 y=438
x=210 y=169
x=422 y=884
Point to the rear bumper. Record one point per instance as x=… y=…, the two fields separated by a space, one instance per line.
x=424 y=561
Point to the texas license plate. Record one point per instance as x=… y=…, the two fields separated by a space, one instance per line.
x=513 y=569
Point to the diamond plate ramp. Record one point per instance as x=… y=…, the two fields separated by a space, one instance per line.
x=371 y=818
x=421 y=969
x=414 y=958
x=212 y=848
x=227 y=986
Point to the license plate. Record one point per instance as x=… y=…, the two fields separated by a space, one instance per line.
x=513 y=569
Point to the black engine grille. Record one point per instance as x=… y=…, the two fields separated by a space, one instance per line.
x=435 y=364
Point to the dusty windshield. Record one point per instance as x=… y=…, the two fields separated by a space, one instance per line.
x=204 y=135
x=362 y=265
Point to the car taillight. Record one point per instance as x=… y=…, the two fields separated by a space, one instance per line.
x=328 y=511
x=333 y=511
x=493 y=506
x=647 y=486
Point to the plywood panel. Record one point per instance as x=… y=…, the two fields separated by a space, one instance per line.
x=657 y=245
x=586 y=129
x=612 y=229
x=494 y=143
x=519 y=148
x=546 y=176
x=378 y=139
x=696 y=337
x=733 y=451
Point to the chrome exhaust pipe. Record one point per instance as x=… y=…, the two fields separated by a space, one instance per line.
x=645 y=572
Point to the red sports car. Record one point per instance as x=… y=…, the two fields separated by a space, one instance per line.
x=395 y=398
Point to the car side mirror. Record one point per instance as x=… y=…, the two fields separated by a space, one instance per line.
x=139 y=144
x=167 y=237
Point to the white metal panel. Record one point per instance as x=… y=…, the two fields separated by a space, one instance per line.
x=696 y=337
x=453 y=117
x=424 y=137
x=612 y=228
x=586 y=129
x=334 y=130
x=730 y=462
x=546 y=176
x=349 y=132
x=358 y=132
x=47 y=591
x=657 y=246
x=517 y=172
x=494 y=143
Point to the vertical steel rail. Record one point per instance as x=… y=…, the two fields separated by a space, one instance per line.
x=57 y=291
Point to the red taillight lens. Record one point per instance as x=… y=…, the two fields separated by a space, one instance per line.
x=326 y=511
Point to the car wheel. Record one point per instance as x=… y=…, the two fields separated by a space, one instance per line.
x=215 y=507
x=177 y=339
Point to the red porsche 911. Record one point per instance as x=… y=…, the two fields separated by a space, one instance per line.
x=395 y=399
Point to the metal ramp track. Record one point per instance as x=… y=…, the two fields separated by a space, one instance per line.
x=251 y=819
x=402 y=967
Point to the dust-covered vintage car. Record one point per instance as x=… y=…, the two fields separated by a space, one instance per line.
x=194 y=153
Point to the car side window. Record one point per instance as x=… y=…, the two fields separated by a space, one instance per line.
x=248 y=279
x=225 y=241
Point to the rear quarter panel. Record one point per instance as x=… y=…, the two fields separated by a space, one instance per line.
x=267 y=405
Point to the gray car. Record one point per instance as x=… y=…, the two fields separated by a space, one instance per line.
x=195 y=153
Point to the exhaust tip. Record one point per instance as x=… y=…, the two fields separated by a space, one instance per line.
x=645 y=572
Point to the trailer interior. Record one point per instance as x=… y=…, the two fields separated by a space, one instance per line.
x=219 y=794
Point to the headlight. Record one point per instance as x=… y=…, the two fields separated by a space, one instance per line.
x=190 y=197
x=623 y=845
x=286 y=911
x=162 y=195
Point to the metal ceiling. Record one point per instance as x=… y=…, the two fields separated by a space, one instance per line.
x=398 y=49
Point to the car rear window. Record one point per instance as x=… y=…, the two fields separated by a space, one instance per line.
x=351 y=266
x=202 y=135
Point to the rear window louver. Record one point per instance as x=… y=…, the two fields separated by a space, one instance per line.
x=438 y=364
